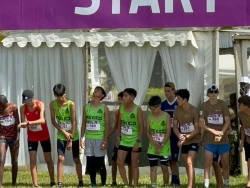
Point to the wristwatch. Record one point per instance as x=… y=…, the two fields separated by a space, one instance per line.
x=138 y=140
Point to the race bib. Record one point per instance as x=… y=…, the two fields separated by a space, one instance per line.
x=126 y=130
x=93 y=126
x=247 y=131
x=67 y=126
x=215 y=119
x=7 y=121
x=35 y=128
x=158 y=137
x=187 y=128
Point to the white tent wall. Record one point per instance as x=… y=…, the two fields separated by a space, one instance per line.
x=39 y=69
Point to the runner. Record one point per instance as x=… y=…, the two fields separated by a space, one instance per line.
x=129 y=135
x=63 y=118
x=158 y=132
x=95 y=126
x=244 y=86
x=186 y=116
x=214 y=119
x=33 y=116
x=9 y=136
x=115 y=151
x=244 y=116
x=168 y=106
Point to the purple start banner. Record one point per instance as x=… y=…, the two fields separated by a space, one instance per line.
x=86 y=14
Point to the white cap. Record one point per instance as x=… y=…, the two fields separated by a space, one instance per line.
x=213 y=87
x=245 y=79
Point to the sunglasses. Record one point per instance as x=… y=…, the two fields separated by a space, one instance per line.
x=153 y=107
x=213 y=92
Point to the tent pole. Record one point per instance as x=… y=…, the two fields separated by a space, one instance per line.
x=216 y=52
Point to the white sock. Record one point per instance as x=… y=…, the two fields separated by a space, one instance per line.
x=206 y=182
x=226 y=182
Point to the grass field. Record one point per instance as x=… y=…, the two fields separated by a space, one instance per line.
x=24 y=180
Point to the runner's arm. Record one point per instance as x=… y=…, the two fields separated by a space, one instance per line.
x=229 y=130
x=196 y=125
x=175 y=125
x=17 y=120
x=106 y=116
x=242 y=136
x=226 y=125
x=73 y=118
x=83 y=128
x=203 y=126
x=168 y=130
x=114 y=129
x=53 y=118
x=149 y=133
x=42 y=112
x=140 y=121
x=22 y=113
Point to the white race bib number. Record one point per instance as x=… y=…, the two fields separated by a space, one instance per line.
x=35 y=128
x=67 y=126
x=7 y=121
x=158 y=137
x=93 y=126
x=247 y=131
x=126 y=130
x=187 y=128
x=215 y=119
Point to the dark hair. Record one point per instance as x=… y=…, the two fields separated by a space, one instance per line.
x=130 y=91
x=170 y=84
x=103 y=91
x=245 y=100
x=154 y=100
x=3 y=100
x=120 y=94
x=183 y=93
x=59 y=90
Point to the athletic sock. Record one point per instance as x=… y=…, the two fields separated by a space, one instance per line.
x=178 y=180
x=226 y=182
x=206 y=183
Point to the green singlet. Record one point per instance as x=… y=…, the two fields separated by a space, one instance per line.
x=95 y=122
x=63 y=118
x=158 y=131
x=129 y=127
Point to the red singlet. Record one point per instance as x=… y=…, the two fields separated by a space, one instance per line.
x=36 y=132
x=8 y=127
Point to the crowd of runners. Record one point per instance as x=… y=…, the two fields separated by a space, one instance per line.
x=173 y=127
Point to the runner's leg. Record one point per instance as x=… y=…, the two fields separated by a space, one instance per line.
x=208 y=163
x=33 y=168
x=217 y=171
x=135 y=167
x=46 y=146
x=164 y=167
x=190 y=168
x=224 y=153
x=61 y=146
x=114 y=166
x=3 y=150
x=14 y=150
x=121 y=165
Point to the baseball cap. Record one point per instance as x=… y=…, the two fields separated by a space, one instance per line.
x=27 y=96
x=245 y=79
x=213 y=87
x=170 y=84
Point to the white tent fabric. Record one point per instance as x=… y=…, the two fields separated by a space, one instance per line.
x=132 y=67
x=185 y=68
x=39 y=69
x=65 y=38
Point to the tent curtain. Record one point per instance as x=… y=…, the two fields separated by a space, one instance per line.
x=39 y=69
x=185 y=68
x=132 y=67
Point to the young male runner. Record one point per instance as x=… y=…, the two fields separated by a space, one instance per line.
x=9 y=137
x=129 y=135
x=215 y=121
x=114 y=157
x=33 y=117
x=158 y=133
x=186 y=116
x=63 y=118
x=168 y=106
x=244 y=116
x=95 y=126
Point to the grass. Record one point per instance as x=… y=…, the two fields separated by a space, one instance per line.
x=24 y=180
